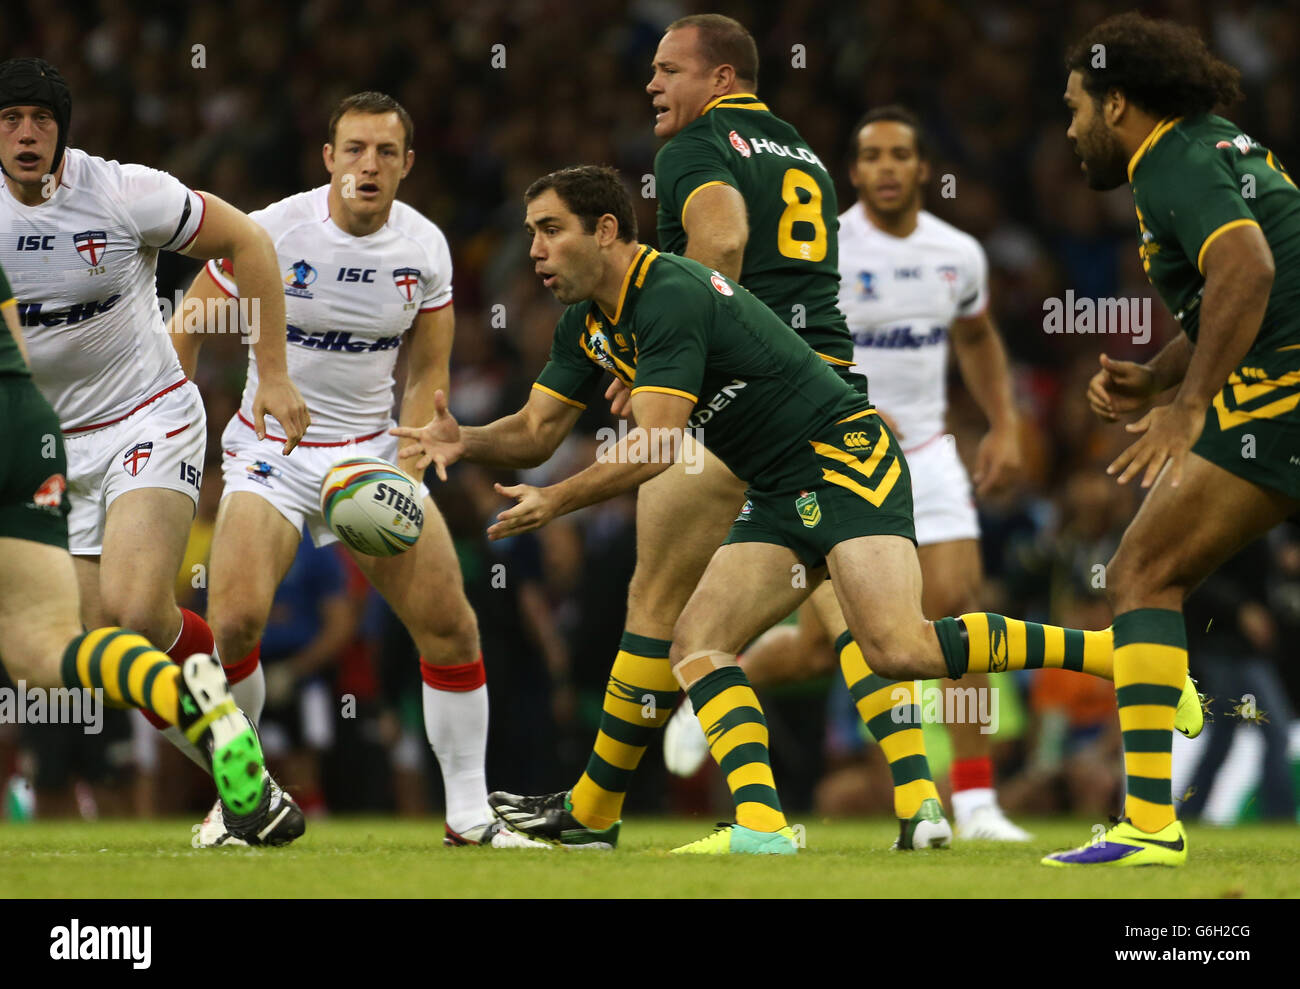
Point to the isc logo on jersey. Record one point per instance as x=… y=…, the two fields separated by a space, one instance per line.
x=372 y=506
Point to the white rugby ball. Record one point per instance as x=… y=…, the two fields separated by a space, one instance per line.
x=372 y=506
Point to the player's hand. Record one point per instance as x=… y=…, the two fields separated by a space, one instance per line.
x=279 y=396
x=437 y=442
x=1168 y=434
x=620 y=398
x=535 y=507
x=998 y=460
x=1120 y=387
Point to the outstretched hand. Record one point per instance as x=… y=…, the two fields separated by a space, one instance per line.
x=437 y=442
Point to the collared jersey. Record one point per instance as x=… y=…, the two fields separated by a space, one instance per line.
x=11 y=358
x=759 y=393
x=900 y=295
x=83 y=265
x=348 y=302
x=791 y=255
x=1196 y=178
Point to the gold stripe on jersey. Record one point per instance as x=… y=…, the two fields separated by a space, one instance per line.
x=557 y=396
x=857 y=415
x=7 y=303
x=627 y=280
x=645 y=269
x=726 y=99
x=699 y=188
x=667 y=391
x=1200 y=255
x=1157 y=132
x=833 y=360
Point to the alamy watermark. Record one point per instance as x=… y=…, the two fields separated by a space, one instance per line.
x=655 y=445
x=946 y=706
x=243 y=316
x=1088 y=315
x=21 y=705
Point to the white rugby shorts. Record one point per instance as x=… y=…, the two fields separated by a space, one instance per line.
x=159 y=445
x=292 y=484
x=942 y=503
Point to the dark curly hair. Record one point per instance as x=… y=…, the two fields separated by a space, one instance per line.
x=591 y=191
x=1162 y=67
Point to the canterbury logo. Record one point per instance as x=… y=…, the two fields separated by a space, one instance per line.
x=856 y=441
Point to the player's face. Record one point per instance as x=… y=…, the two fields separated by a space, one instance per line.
x=1097 y=146
x=28 y=137
x=368 y=160
x=887 y=172
x=565 y=256
x=682 y=85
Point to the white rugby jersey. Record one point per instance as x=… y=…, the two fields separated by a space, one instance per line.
x=83 y=265
x=348 y=301
x=899 y=296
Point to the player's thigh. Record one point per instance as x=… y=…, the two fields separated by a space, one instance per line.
x=253 y=546
x=682 y=516
x=1181 y=534
x=951 y=573
x=746 y=589
x=423 y=586
x=39 y=612
x=877 y=581
x=145 y=532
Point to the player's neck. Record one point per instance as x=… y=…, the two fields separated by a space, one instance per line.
x=349 y=222
x=610 y=290
x=36 y=193
x=900 y=224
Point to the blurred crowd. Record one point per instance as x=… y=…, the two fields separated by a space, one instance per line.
x=233 y=97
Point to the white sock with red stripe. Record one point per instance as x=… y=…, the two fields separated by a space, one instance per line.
x=456 y=722
x=248 y=684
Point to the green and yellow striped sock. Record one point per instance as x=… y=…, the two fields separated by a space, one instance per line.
x=130 y=671
x=638 y=699
x=1150 y=667
x=733 y=723
x=892 y=714
x=994 y=643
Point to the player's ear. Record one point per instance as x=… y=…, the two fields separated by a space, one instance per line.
x=410 y=160
x=606 y=230
x=327 y=156
x=1113 y=106
x=922 y=172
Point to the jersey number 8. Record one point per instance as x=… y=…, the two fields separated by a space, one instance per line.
x=798 y=211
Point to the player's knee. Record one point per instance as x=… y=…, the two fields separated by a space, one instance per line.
x=155 y=619
x=447 y=636
x=236 y=632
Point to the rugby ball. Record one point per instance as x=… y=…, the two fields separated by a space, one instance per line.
x=372 y=506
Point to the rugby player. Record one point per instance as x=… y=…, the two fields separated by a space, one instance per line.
x=742 y=193
x=364 y=274
x=45 y=644
x=1218 y=226
x=79 y=237
x=697 y=352
x=909 y=284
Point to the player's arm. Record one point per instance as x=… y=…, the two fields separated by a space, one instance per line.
x=618 y=469
x=1238 y=268
x=982 y=361
x=428 y=368
x=228 y=233
x=717 y=228
x=523 y=439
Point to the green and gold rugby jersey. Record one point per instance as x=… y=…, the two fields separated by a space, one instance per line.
x=760 y=394
x=11 y=358
x=792 y=256
x=1195 y=178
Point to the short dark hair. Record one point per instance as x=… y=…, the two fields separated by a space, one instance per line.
x=372 y=102
x=724 y=41
x=1162 y=67
x=591 y=191
x=898 y=114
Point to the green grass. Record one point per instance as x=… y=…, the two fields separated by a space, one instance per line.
x=383 y=857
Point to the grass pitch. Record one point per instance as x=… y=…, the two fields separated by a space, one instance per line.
x=369 y=857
